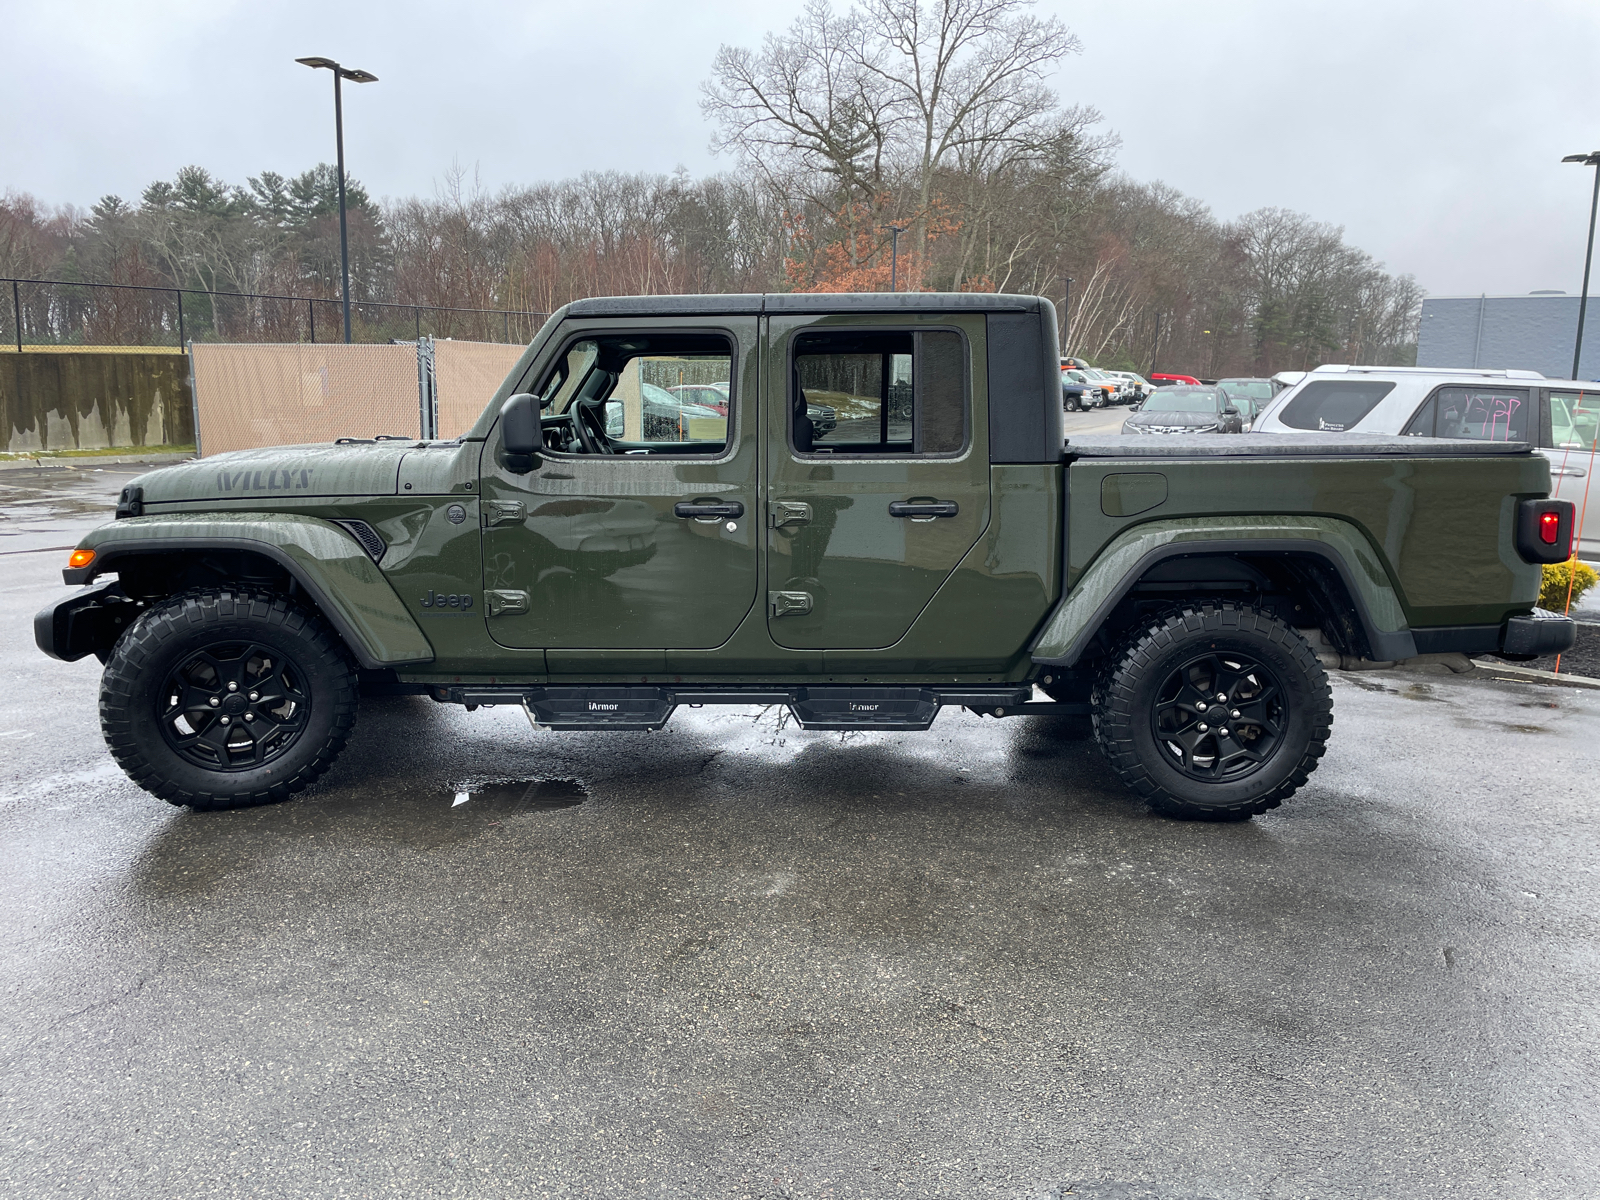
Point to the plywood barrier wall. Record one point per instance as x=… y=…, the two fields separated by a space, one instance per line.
x=467 y=374
x=264 y=395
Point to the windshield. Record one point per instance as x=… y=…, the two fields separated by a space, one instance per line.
x=1255 y=389
x=1196 y=400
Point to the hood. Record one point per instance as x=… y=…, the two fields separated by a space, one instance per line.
x=356 y=469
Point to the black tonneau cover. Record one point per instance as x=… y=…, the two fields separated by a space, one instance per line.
x=1277 y=445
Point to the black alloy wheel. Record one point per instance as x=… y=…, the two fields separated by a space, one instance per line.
x=234 y=707
x=1214 y=712
x=1220 y=716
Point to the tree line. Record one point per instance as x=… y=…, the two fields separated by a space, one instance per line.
x=925 y=126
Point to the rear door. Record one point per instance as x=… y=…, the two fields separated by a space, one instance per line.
x=878 y=483
x=1571 y=447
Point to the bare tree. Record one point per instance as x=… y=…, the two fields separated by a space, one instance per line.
x=807 y=113
x=840 y=111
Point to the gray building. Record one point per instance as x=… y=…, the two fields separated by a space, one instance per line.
x=1533 y=332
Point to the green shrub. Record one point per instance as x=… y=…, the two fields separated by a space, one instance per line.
x=1558 y=577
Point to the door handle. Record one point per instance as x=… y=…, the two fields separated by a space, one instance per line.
x=923 y=510
x=707 y=510
x=1575 y=471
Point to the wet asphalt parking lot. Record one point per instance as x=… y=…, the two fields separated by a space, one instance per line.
x=735 y=959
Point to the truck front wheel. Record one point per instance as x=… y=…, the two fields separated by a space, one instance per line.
x=1216 y=712
x=226 y=698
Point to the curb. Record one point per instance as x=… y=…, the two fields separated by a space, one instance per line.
x=1529 y=675
x=91 y=461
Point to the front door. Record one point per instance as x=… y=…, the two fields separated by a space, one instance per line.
x=878 y=472
x=638 y=529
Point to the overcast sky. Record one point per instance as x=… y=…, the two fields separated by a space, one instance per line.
x=1432 y=130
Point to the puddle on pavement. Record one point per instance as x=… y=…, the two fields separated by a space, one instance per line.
x=519 y=796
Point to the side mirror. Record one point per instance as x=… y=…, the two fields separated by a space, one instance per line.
x=1230 y=411
x=519 y=424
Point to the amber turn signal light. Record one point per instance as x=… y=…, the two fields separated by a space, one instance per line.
x=80 y=558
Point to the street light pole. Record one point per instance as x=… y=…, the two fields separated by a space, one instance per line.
x=339 y=75
x=1592 y=159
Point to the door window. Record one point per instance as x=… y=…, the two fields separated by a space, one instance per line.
x=880 y=393
x=1476 y=414
x=1575 y=420
x=639 y=394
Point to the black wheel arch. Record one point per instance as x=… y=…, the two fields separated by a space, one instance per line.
x=153 y=569
x=1306 y=582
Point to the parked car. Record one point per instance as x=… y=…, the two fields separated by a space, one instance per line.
x=1560 y=418
x=1134 y=386
x=666 y=416
x=709 y=395
x=1286 y=379
x=823 y=418
x=1167 y=379
x=1249 y=396
x=1185 y=409
x=1077 y=393
x=1110 y=388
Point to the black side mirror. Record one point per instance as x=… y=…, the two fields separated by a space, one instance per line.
x=1230 y=411
x=519 y=424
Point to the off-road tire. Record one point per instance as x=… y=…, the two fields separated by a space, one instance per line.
x=181 y=627
x=1127 y=704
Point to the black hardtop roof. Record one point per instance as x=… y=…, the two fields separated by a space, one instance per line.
x=1279 y=445
x=800 y=302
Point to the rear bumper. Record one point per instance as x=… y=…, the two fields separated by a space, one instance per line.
x=1533 y=636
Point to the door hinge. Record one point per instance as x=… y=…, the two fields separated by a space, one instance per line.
x=504 y=603
x=499 y=512
x=788 y=604
x=790 y=512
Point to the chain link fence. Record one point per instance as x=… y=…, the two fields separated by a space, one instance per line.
x=467 y=374
x=38 y=314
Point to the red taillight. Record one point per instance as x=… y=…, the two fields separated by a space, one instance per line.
x=1549 y=527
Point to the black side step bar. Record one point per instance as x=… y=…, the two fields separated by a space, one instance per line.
x=826 y=707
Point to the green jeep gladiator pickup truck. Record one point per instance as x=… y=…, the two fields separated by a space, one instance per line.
x=879 y=518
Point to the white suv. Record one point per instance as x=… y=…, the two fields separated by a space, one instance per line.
x=1560 y=418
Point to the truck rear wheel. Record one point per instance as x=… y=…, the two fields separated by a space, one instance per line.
x=227 y=698
x=1216 y=712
